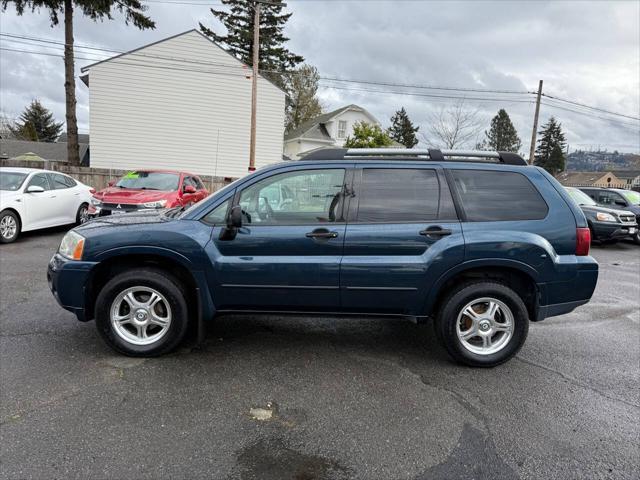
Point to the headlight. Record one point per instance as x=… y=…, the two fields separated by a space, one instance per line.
x=605 y=217
x=95 y=202
x=158 y=204
x=72 y=246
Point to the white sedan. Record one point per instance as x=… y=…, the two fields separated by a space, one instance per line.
x=31 y=199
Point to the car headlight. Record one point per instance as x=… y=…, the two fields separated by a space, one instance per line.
x=71 y=246
x=158 y=204
x=95 y=202
x=605 y=217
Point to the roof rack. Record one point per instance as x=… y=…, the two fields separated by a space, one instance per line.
x=431 y=154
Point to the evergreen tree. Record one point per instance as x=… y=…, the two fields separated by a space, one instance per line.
x=238 y=40
x=551 y=136
x=502 y=136
x=36 y=123
x=367 y=135
x=302 y=102
x=402 y=129
x=95 y=10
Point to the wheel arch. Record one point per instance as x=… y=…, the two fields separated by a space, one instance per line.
x=516 y=275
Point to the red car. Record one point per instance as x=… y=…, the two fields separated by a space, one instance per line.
x=147 y=190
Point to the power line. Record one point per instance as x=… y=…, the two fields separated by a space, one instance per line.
x=590 y=107
x=611 y=120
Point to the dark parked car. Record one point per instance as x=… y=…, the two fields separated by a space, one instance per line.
x=479 y=242
x=606 y=224
x=617 y=198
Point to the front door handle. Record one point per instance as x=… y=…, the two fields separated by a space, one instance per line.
x=436 y=232
x=321 y=233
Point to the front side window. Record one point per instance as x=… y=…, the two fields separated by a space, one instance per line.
x=398 y=195
x=489 y=196
x=295 y=198
x=611 y=199
x=39 y=180
x=150 y=181
x=342 y=129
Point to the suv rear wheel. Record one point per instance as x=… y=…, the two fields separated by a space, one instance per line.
x=142 y=313
x=483 y=324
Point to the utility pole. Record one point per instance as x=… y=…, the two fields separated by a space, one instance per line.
x=532 y=150
x=254 y=86
x=254 y=80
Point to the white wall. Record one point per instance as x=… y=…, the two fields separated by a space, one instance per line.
x=351 y=117
x=149 y=112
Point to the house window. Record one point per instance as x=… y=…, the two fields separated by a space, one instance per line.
x=342 y=128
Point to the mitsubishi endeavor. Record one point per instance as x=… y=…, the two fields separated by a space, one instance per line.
x=478 y=242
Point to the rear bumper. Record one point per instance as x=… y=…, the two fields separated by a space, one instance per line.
x=68 y=282
x=558 y=298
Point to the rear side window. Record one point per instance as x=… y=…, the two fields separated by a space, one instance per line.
x=489 y=196
x=62 y=181
x=398 y=195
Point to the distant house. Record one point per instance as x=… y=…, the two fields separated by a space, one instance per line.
x=326 y=130
x=53 y=152
x=595 y=179
x=82 y=138
x=181 y=103
x=629 y=177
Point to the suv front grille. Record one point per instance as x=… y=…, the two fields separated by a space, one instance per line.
x=122 y=207
x=628 y=218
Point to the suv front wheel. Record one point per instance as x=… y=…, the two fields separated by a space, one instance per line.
x=142 y=313
x=483 y=324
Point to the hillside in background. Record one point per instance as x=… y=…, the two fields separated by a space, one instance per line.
x=588 y=161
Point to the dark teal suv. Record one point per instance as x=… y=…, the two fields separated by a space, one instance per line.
x=477 y=242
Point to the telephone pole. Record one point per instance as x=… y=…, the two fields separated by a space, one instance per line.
x=532 y=150
x=254 y=79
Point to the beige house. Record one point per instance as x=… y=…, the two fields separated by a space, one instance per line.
x=183 y=103
x=326 y=130
x=595 y=179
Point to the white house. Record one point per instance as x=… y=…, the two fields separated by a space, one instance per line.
x=326 y=130
x=181 y=103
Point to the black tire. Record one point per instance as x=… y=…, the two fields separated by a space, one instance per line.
x=155 y=279
x=10 y=216
x=452 y=306
x=636 y=238
x=82 y=216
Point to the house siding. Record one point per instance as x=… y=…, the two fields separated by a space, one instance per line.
x=149 y=112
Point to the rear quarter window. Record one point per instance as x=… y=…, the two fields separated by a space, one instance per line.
x=489 y=196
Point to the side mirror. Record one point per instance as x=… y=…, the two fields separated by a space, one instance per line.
x=189 y=189
x=111 y=183
x=234 y=222
x=621 y=203
x=34 y=189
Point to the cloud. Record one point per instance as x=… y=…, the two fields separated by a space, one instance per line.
x=585 y=51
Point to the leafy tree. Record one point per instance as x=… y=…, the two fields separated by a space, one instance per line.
x=302 y=102
x=402 y=129
x=551 y=136
x=273 y=57
x=502 y=136
x=367 y=135
x=96 y=10
x=36 y=123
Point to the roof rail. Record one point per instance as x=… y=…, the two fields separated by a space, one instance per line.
x=430 y=154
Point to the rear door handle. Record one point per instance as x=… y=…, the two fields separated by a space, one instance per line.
x=436 y=232
x=321 y=233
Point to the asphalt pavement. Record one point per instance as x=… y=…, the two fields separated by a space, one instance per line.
x=317 y=398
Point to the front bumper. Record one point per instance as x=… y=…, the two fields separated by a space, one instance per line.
x=68 y=282
x=613 y=231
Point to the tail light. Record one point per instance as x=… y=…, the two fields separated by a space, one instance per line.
x=583 y=241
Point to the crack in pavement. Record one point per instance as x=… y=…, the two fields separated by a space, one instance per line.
x=576 y=382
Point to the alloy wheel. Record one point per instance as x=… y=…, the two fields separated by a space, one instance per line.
x=140 y=315
x=485 y=326
x=8 y=227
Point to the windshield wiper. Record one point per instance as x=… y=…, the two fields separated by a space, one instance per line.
x=148 y=188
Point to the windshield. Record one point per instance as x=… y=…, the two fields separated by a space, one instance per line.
x=630 y=196
x=580 y=197
x=149 y=181
x=11 y=181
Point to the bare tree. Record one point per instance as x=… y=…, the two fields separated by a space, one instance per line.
x=452 y=127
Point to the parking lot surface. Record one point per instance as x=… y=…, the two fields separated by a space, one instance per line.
x=317 y=398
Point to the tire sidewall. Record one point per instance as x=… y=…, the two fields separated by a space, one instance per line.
x=161 y=282
x=79 y=217
x=455 y=303
x=18 y=226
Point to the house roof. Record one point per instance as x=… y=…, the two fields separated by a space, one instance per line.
x=48 y=151
x=85 y=78
x=580 y=177
x=82 y=137
x=626 y=174
x=315 y=127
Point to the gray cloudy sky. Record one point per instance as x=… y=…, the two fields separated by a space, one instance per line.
x=588 y=52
